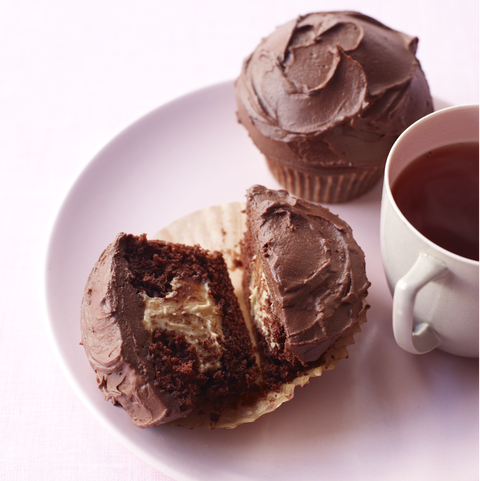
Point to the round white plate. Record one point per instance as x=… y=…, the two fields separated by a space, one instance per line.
x=381 y=414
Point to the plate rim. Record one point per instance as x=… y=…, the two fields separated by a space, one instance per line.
x=55 y=223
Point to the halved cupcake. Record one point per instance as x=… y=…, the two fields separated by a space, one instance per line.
x=162 y=321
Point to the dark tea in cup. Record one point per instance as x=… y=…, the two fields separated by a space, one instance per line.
x=429 y=233
x=438 y=194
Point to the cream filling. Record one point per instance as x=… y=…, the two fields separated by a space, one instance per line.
x=260 y=303
x=189 y=309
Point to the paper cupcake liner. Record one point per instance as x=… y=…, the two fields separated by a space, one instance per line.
x=222 y=228
x=328 y=188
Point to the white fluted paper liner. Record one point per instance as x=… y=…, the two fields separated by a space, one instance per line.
x=222 y=228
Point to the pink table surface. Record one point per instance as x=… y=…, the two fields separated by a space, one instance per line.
x=74 y=74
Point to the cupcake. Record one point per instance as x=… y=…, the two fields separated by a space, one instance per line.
x=219 y=335
x=324 y=98
x=164 y=332
x=304 y=281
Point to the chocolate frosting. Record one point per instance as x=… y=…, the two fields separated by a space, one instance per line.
x=116 y=343
x=331 y=91
x=314 y=268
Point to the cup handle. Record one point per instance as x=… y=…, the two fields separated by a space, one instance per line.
x=420 y=338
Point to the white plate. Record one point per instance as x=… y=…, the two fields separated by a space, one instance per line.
x=381 y=414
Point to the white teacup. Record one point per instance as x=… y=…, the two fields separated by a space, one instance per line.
x=435 y=292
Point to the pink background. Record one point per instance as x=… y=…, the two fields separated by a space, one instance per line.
x=73 y=75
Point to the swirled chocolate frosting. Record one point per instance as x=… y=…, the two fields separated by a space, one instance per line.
x=314 y=269
x=116 y=343
x=330 y=91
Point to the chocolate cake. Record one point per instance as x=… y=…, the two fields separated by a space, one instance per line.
x=324 y=98
x=304 y=279
x=162 y=325
x=163 y=330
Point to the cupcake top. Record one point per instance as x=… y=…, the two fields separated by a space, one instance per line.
x=314 y=268
x=331 y=90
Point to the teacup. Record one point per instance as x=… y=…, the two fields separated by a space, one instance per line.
x=435 y=291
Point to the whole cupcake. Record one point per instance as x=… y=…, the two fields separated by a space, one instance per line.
x=324 y=98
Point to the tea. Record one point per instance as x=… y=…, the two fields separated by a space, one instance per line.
x=438 y=194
